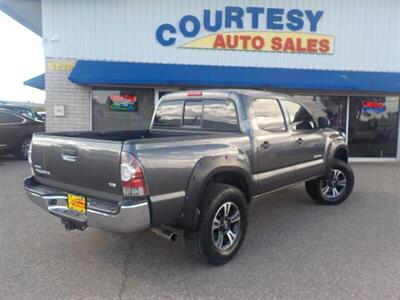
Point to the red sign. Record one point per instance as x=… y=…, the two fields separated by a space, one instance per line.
x=123 y=98
x=373 y=106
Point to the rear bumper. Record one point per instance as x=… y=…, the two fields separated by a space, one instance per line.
x=127 y=217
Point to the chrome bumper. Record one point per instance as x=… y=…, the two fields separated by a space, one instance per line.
x=130 y=217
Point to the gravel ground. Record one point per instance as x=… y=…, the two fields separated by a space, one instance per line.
x=294 y=249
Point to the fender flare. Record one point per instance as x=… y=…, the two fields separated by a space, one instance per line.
x=332 y=149
x=202 y=173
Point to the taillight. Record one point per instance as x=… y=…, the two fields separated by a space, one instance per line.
x=30 y=158
x=132 y=176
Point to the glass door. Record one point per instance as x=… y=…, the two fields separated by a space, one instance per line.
x=373 y=127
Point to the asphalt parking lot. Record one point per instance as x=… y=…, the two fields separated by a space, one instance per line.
x=294 y=250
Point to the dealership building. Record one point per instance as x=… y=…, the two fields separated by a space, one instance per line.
x=108 y=62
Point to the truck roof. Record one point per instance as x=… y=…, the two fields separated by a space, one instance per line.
x=222 y=92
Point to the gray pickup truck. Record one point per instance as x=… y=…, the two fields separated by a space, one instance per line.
x=207 y=155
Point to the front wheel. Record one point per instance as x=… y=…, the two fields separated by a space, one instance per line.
x=222 y=225
x=334 y=190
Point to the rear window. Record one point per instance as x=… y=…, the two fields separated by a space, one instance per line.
x=205 y=114
x=169 y=114
x=193 y=113
x=220 y=115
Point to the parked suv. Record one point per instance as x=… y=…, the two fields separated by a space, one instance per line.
x=16 y=132
x=207 y=155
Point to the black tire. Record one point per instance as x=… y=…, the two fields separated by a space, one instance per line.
x=337 y=189
x=201 y=241
x=310 y=189
x=22 y=152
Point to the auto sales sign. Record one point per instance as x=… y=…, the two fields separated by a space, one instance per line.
x=250 y=29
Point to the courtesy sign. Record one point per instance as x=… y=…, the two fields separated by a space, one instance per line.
x=250 y=29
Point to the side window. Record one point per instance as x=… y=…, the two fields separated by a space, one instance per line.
x=193 y=113
x=220 y=115
x=7 y=118
x=300 y=118
x=27 y=113
x=269 y=115
x=169 y=114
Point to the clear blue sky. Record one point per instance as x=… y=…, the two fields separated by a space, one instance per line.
x=21 y=58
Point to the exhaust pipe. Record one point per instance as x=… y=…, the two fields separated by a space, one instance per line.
x=165 y=233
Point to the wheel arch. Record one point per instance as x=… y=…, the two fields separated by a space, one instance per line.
x=222 y=169
x=341 y=153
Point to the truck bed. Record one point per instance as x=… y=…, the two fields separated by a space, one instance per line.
x=88 y=163
x=122 y=136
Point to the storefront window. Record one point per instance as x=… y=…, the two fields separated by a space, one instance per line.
x=373 y=126
x=122 y=108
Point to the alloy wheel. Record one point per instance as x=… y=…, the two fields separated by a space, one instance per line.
x=25 y=147
x=336 y=186
x=226 y=226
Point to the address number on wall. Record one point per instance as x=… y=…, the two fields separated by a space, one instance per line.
x=61 y=66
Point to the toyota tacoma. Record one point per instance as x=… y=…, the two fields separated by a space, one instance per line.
x=206 y=156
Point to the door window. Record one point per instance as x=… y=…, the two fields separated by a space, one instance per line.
x=299 y=117
x=332 y=107
x=269 y=115
x=7 y=118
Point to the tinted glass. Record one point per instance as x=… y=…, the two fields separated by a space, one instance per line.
x=300 y=118
x=373 y=126
x=169 y=114
x=269 y=115
x=6 y=118
x=193 y=113
x=220 y=115
x=27 y=113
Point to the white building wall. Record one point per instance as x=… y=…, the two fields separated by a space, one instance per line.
x=366 y=33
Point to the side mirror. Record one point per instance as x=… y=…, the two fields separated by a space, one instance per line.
x=323 y=122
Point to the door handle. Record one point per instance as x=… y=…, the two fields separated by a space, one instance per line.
x=69 y=154
x=300 y=141
x=265 y=145
x=70 y=158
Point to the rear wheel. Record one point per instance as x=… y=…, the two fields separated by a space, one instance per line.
x=22 y=151
x=222 y=225
x=334 y=190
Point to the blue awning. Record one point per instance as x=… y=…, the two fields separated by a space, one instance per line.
x=124 y=73
x=36 y=82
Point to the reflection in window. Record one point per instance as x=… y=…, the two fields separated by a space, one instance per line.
x=7 y=118
x=193 y=113
x=373 y=127
x=269 y=115
x=220 y=115
x=169 y=114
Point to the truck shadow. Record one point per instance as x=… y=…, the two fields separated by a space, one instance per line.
x=279 y=215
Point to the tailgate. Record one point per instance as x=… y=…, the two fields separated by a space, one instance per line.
x=87 y=167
